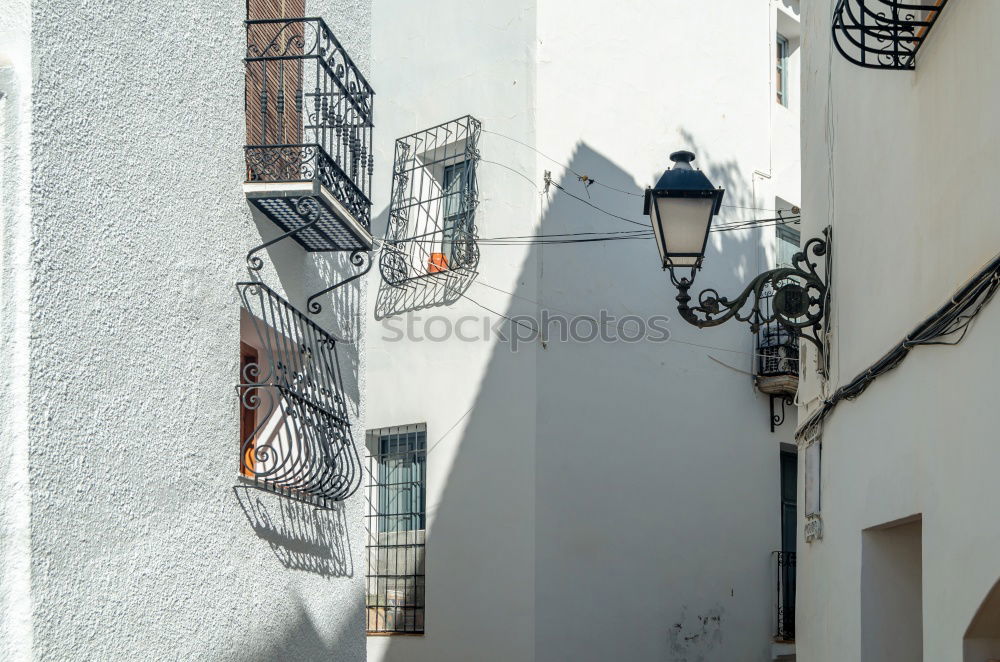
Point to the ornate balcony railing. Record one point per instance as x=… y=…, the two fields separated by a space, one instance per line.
x=777 y=363
x=432 y=217
x=784 y=629
x=299 y=441
x=309 y=132
x=883 y=34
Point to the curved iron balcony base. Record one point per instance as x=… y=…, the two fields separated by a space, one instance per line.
x=300 y=444
x=883 y=34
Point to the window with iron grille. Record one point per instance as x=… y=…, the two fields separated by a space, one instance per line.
x=431 y=229
x=396 y=522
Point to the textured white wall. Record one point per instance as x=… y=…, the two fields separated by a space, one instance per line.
x=15 y=322
x=913 y=158
x=140 y=544
x=589 y=501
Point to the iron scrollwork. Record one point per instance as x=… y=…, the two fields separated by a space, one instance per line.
x=358 y=259
x=431 y=230
x=778 y=415
x=800 y=297
x=307 y=209
x=883 y=34
x=300 y=443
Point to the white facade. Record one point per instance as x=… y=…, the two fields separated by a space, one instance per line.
x=588 y=501
x=125 y=531
x=901 y=163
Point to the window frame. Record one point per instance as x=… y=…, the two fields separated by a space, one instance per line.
x=781 y=69
x=395 y=590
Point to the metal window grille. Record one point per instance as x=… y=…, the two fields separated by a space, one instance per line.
x=883 y=34
x=396 y=524
x=296 y=432
x=782 y=70
x=431 y=228
x=777 y=347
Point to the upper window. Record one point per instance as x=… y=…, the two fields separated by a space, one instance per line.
x=431 y=228
x=454 y=189
x=781 y=70
x=789 y=241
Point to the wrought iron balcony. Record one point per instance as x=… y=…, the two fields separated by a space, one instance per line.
x=309 y=133
x=777 y=363
x=298 y=439
x=784 y=629
x=883 y=34
x=432 y=219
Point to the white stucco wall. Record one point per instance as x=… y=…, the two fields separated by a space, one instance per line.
x=141 y=545
x=589 y=501
x=435 y=61
x=913 y=158
x=15 y=324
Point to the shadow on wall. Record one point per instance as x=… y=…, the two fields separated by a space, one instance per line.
x=537 y=562
x=302 y=641
x=301 y=536
x=342 y=314
x=301 y=274
x=525 y=532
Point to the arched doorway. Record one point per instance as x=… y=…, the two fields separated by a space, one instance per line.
x=982 y=639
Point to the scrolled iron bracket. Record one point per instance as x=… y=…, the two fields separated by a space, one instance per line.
x=358 y=258
x=308 y=209
x=799 y=303
x=778 y=417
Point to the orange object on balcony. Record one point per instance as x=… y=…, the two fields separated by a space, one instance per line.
x=437 y=263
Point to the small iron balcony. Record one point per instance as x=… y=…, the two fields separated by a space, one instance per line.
x=309 y=133
x=777 y=364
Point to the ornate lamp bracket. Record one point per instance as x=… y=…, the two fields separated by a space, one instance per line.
x=800 y=300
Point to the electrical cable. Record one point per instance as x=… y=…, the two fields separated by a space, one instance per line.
x=587 y=178
x=954 y=317
x=570 y=237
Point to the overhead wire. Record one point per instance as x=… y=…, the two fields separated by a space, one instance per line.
x=588 y=179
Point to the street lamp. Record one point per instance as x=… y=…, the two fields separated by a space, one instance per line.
x=681 y=208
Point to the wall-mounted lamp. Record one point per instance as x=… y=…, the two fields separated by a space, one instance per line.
x=681 y=208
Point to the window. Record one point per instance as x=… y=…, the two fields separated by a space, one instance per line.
x=789 y=241
x=781 y=64
x=431 y=228
x=453 y=188
x=397 y=506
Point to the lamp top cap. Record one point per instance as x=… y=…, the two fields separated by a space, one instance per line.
x=682 y=159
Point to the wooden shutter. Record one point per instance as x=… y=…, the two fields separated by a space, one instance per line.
x=280 y=79
x=248 y=416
